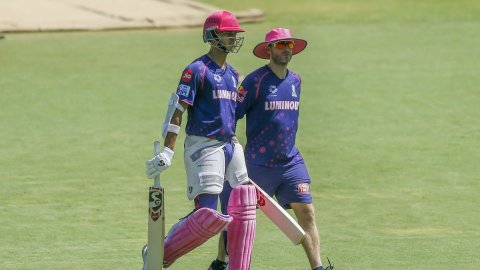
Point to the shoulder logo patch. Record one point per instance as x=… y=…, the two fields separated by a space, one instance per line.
x=187 y=76
x=183 y=90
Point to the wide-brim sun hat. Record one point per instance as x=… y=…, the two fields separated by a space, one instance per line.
x=275 y=35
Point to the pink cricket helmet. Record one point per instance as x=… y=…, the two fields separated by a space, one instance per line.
x=221 y=21
x=278 y=34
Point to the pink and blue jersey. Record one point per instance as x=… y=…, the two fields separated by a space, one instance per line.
x=272 y=108
x=211 y=93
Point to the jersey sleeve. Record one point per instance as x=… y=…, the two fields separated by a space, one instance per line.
x=189 y=83
x=299 y=82
x=245 y=97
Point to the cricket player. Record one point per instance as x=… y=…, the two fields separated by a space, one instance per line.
x=269 y=97
x=212 y=155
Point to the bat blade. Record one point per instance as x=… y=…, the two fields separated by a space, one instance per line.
x=156 y=222
x=279 y=216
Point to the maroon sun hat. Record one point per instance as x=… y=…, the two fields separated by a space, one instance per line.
x=278 y=34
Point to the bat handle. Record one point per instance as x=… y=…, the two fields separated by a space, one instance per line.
x=156 y=151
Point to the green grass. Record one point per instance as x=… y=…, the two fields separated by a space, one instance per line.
x=389 y=129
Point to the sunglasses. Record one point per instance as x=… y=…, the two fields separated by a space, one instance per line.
x=283 y=44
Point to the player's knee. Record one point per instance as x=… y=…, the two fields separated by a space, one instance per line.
x=243 y=193
x=304 y=212
x=242 y=199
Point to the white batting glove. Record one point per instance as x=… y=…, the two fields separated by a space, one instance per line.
x=159 y=163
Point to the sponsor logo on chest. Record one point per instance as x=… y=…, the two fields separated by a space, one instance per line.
x=224 y=94
x=290 y=105
x=217 y=78
x=281 y=105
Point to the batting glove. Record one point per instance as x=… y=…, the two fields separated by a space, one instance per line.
x=158 y=163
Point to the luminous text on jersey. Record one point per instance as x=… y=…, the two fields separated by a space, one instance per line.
x=224 y=94
x=281 y=105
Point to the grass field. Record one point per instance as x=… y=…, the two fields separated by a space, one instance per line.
x=390 y=130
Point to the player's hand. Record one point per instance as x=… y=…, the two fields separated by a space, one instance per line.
x=159 y=163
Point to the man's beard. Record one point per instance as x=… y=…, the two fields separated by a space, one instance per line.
x=281 y=59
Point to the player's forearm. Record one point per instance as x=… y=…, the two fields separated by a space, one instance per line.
x=170 y=140
x=171 y=137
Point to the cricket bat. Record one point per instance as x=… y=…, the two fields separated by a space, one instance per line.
x=156 y=221
x=279 y=216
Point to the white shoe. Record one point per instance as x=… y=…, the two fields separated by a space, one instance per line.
x=144 y=256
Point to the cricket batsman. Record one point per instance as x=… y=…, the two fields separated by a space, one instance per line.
x=212 y=155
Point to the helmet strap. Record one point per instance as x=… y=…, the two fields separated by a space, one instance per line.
x=212 y=37
x=215 y=42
